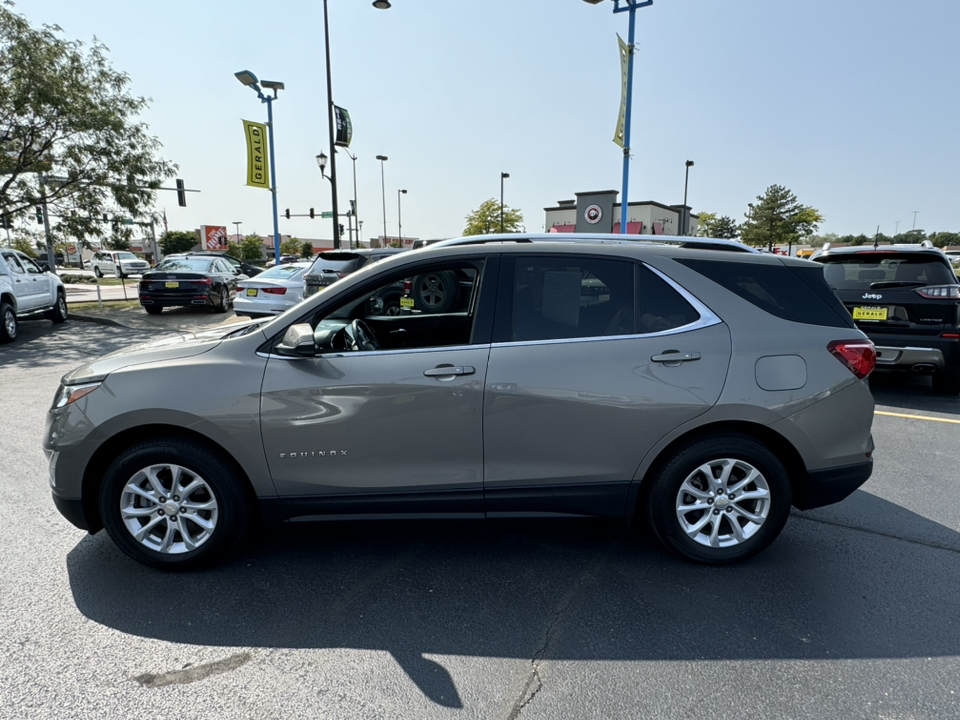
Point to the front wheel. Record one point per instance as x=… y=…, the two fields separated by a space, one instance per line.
x=9 y=327
x=720 y=500
x=173 y=504
x=97 y=271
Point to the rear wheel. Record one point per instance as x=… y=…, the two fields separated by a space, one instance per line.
x=947 y=381
x=222 y=303
x=59 y=312
x=97 y=271
x=173 y=504
x=153 y=309
x=721 y=500
x=8 y=323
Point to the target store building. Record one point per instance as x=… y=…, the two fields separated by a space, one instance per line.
x=599 y=212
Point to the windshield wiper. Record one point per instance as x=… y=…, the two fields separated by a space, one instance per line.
x=895 y=283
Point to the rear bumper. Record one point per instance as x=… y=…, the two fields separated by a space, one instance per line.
x=175 y=300
x=825 y=487
x=906 y=353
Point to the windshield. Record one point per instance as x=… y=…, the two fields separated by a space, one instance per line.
x=126 y=256
x=187 y=264
x=863 y=271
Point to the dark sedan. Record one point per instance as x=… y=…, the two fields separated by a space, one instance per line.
x=189 y=280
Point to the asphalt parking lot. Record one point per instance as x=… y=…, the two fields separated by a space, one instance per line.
x=851 y=614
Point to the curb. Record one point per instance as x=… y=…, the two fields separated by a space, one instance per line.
x=97 y=320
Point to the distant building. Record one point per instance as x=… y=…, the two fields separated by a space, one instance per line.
x=600 y=213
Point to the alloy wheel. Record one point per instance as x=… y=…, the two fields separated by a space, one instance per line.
x=169 y=509
x=723 y=503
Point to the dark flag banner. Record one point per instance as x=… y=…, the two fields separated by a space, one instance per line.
x=344 y=127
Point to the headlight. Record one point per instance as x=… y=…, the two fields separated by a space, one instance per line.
x=71 y=393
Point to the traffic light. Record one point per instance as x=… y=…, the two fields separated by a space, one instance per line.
x=341 y=229
x=287 y=213
x=311 y=213
x=40 y=214
x=181 y=194
x=5 y=223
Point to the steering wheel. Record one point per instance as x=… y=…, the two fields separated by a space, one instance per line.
x=359 y=336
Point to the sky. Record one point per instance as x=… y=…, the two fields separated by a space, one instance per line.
x=853 y=106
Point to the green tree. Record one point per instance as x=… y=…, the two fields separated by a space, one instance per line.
x=66 y=115
x=944 y=239
x=291 y=246
x=486 y=219
x=910 y=237
x=818 y=241
x=777 y=218
x=178 y=241
x=306 y=249
x=712 y=226
x=251 y=248
x=25 y=246
x=234 y=249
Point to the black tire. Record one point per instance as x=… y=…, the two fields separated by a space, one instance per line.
x=947 y=381
x=9 y=325
x=222 y=303
x=59 y=312
x=435 y=292
x=153 y=309
x=664 y=497
x=97 y=271
x=215 y=530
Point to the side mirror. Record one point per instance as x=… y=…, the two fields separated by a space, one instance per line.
x=298 y=341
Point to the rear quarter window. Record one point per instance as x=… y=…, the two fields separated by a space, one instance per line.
x=798 y=294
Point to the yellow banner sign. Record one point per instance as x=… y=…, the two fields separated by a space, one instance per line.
x=258 y=165
x=618 y=136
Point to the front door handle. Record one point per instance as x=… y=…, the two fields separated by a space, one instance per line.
x=673 y=359
x=448 y=370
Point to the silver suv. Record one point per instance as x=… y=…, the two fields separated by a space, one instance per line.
x=26 y=290
x=701 y=391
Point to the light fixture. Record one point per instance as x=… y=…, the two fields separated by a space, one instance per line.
x=381 y=4
x=272 y=85
x=322 y=162
x=246 y=77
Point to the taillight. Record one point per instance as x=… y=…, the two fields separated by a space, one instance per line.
x=275 y=291
x=407 y=287
x=203 y=281
x=939 y=291
x=860 y=356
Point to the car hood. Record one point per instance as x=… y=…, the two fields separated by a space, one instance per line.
x=173 y=347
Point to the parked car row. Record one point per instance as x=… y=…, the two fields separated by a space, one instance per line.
x=701 y=390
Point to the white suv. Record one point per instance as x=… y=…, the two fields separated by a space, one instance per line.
x=27 y=290
x=117 y=262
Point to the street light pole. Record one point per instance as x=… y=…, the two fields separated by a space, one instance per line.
x=686 y=211
x=383 y=194
x=238 y=223
x=630 y=6
x=914 y=220
x=250 y=80
x=354 y=208
x=503 y=176
x=399 y=223
x=331 y=119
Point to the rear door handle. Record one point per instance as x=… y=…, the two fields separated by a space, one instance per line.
x=673 y=359
x=447 y=370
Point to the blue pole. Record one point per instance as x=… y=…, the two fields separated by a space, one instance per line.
x=624 y=196
x=273 y=180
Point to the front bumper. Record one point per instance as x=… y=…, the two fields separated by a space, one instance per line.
x=72 y=510
x=825 y=487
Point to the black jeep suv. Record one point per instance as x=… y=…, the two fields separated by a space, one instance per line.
x=330 y=266
x=906 y=298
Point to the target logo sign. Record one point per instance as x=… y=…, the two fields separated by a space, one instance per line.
x=593 y=214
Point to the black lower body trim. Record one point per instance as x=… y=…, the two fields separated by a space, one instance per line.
x=825 y=487
x=579 y=500
x=72 y=510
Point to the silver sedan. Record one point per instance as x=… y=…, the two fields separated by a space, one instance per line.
x=272 y=292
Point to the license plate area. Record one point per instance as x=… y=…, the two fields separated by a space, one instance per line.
x=252 y=292
x=870 y=313
x=171 y=285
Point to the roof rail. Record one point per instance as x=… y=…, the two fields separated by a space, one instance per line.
x=597 y=238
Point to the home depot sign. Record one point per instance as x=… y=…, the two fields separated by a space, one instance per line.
x=213 y=237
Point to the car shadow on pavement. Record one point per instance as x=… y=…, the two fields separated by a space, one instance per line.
x=911 y=394
x=548 y=590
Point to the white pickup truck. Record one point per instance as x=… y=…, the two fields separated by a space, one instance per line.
x=26 y=290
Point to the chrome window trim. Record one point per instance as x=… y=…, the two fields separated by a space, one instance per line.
x=705 y=312
x=378 y=353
